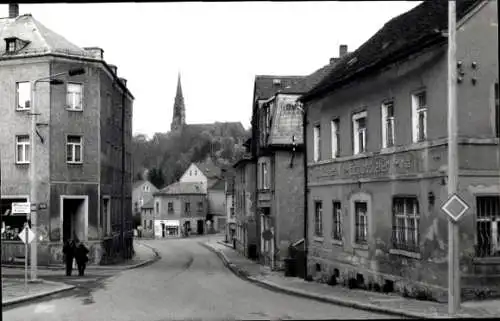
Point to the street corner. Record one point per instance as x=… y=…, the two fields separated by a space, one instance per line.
x=15 y=291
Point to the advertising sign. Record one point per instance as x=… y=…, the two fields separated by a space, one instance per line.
x=287 y=121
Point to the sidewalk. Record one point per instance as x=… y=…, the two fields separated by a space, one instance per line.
x=14 y=290
x=143 y=255
x=359 y=299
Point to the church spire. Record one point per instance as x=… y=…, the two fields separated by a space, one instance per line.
x=179 y=117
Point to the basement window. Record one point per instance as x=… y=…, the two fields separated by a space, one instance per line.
x=488 y=226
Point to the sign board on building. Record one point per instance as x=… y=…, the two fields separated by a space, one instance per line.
x=42 y=206
x=287 y=121
x=26 y=239
x=455 y=207
x=267 y=235
x=21 y=208
x=370 y=167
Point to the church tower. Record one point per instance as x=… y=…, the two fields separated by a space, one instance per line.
x=179 y=117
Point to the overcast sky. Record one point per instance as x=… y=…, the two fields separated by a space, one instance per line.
x=217 y=47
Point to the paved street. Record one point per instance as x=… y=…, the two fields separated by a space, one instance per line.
x=189 y=282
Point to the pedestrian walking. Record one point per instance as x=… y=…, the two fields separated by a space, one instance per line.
x=81 y=257
x=69 y=255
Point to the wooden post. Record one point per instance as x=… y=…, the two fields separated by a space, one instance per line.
x=453 y=240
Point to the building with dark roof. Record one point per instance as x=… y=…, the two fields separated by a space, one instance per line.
x=180 y=208
x=142 y=193
x=377 y=155
x=83 y=140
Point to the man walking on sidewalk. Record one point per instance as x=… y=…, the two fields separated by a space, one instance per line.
x=69 y=255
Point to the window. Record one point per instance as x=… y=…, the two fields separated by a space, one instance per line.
x=359 y=132
x=23 y=149
x=12 y=224
x=23 y=95
x=187 y=208
x=318 y=218
x=388 y=124
x=11 y=45
x=195 y=172
x=497 y=111
x=361 y=222
x=231 y=211
x=488 y=226
x=106 y=218
x=146 y=188
x=136 y=207
x=337 y=223
x=317 y=142
x=190 y=173
x=335 y=137
x=150 y=224
x=170 y=207
x=145 y=222
x=264 y=176
x=157 y=207
x=200 y=206
x=419 y=108
x=74 y=149
x=74 y=99
x=405 y=222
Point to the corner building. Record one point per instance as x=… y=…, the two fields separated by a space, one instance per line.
x=84 y=132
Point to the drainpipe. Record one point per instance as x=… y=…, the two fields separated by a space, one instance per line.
x=306 y=190
x=122 y=230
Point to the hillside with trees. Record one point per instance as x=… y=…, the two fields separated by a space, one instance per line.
x=166 y=156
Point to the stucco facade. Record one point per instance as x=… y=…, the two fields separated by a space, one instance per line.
x=69 y=193
x=360 y=198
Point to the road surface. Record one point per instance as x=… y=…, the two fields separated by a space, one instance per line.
x=189 y=282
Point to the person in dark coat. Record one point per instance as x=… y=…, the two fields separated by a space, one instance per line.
x=81 y=257
x=69 y=255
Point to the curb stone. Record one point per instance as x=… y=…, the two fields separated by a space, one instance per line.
x=338 y=301
x=99 y=267
x=62 y=288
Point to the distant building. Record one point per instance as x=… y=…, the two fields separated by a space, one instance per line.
x=179 y=207
x=148 y=219
x=244 y=207
x=83 y=187
x=377 y=156
x=229 y=202
x=142 y=193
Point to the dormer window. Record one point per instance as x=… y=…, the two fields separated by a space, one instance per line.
x=13 y=45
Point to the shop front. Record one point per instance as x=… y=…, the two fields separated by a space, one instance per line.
x=167 y=228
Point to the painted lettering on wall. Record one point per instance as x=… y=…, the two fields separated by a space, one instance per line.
x=367 y=167
x=287 y=121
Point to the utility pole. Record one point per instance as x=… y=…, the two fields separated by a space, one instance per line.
x=33 y=184
x=453 y=240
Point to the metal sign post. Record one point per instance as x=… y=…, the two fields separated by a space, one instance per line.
x=26 y=258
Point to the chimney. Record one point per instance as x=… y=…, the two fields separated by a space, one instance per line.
x=333 y=60
x=124 y=81
x=114 y=68
x=13 y=10
x=342 y=50
x=96 y=52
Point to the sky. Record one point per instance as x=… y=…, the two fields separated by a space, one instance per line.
x=218 y=48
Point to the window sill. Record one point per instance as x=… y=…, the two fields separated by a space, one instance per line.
x=360 y=246
x=23 y=109
x=75 y=110
x=412 y=255
x=493 y=260
x=337 y=242
x=22 y=163
x=74 y=163
x=318 y=239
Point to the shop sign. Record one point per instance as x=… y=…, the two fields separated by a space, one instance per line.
x=367 y=167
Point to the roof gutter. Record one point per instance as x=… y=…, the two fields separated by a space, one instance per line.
x=434 y=39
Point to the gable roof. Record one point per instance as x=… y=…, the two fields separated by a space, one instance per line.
x=209 y=169
x=408 y=33
x=138 y=183
x=265 y=88
x=179 y=188
x=41 y=39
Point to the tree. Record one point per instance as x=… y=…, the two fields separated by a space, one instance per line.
x=156 y=177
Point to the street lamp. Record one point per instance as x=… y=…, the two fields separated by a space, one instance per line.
x=33 y=179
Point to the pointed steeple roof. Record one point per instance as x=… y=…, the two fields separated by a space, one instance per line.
x=179 y=116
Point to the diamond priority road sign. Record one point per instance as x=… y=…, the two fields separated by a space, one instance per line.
x=22 y=235
x=455 y=207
